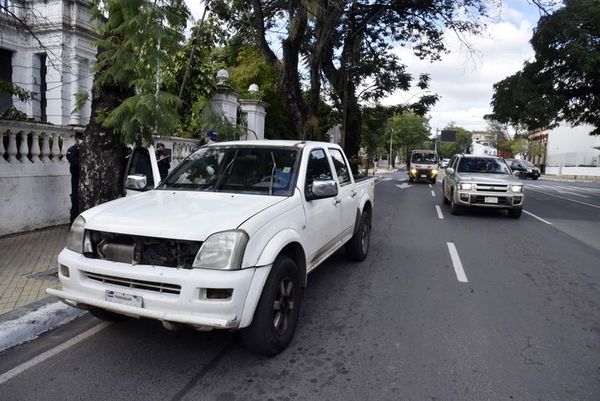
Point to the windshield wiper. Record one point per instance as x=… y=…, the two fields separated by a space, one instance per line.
x=272 y=174
x=227 y=170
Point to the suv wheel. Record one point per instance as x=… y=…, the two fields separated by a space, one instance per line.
x=444 y=199
x=454 y=208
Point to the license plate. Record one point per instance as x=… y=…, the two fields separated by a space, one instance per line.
x=124 y=299
x=423 y=175
x=490 y=199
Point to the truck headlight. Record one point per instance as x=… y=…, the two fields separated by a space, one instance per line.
x=413 y=171
x=465 y=187
x=517 y=188
x=223 y=251
x=434 y=172
x=75 y=238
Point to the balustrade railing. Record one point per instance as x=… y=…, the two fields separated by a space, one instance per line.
x=26 y=143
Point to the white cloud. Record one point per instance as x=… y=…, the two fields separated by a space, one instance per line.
x=464 y=80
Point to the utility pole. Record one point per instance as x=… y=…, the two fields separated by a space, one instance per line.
x=390 y=158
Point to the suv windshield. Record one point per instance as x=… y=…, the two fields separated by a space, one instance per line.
x=526 y=163
x=253 y=170
x=424 y=158
x=482 y=165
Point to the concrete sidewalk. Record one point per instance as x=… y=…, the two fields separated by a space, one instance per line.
x=28 y=266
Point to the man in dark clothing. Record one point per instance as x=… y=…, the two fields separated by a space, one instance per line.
x=73 y=159
x=163 y=161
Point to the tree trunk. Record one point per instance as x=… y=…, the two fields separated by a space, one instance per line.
x=102 y=156
x=101 y=153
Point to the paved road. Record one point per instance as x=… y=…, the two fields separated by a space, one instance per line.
x=523 y=324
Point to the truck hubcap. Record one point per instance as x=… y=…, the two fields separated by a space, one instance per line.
x=283 y=305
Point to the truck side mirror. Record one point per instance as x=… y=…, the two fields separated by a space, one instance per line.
x=323 y=189
x=136 y=182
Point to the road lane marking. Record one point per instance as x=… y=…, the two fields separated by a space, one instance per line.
x=458 y=267
x=568 y=199
x=429 y=185
x=51 y=352
x=536 y=217
x=439 y=212
x=432 y=193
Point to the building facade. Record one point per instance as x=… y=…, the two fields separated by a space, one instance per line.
x=50 y=55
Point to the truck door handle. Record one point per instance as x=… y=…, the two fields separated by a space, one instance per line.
x=353 y=193
x=337 y=201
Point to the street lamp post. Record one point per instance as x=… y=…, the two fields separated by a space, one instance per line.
x=390 y=158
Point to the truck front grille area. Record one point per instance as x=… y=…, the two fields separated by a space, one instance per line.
x=491 y=188
x=131 y=283
x=135 y=250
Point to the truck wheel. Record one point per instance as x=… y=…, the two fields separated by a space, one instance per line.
x=103 y=314
x=454 y=208
x=514 y=213
x=358 y=246
x=277 y=311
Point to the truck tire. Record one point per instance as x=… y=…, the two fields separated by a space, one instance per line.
x=454 y=208
x=358 y=247
x=103 y=314
x=514 y=213
x=276 y=314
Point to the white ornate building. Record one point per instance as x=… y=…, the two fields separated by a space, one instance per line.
x=50 y=55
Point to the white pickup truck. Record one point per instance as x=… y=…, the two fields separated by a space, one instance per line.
x=225 y=241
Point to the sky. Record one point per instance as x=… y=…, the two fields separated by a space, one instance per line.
x=465 y=81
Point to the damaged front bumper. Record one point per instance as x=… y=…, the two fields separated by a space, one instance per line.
x=200 y=298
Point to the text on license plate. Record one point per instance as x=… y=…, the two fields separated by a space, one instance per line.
x=423 y=175
x=491 y=199
x=123 y=299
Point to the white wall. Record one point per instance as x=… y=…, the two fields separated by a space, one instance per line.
x=572 y=146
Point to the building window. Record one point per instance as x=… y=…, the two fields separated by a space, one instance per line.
x=5 y=76
x=43 y=88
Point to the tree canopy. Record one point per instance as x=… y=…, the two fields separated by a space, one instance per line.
x=562 y=83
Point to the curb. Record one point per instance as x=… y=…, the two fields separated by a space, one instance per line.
x=28 y=322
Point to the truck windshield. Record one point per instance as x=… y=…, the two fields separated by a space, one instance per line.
x=253 y=170
x=424 y=158
x=482 y=165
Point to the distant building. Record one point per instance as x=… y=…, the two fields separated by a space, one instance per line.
x=53 y=60
x=570 y=146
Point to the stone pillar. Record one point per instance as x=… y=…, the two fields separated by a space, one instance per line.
x=255 y=113
x=225 y=100
x=75 y=116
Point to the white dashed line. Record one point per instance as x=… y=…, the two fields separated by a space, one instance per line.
x=429 y=185
x=458 y=268
x=536 y=217
x=432 y=193
x=51 y=352
x=439 y=212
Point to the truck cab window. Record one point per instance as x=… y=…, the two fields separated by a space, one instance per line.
x=341 y=167
x=317 y=168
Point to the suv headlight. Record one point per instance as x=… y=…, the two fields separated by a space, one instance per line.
x=465 y=186
x=223 y=251
x=75 y=238
x=517 y=188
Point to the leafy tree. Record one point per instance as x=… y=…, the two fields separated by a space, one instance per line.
x=562 y=83
x=346 y=46
x=409 y=130
x=129 y=101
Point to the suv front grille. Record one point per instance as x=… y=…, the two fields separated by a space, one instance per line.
x=131 y=283
x=491 y=188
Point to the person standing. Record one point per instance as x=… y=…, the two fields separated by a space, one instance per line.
x=164 y=164
x=73 y=159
